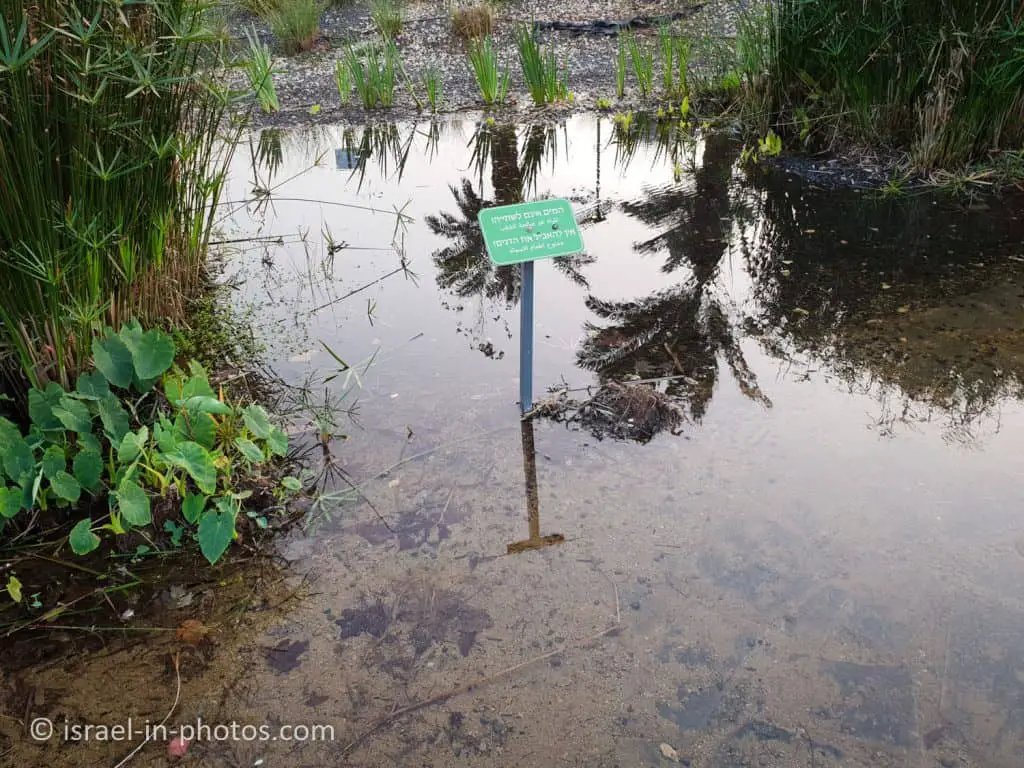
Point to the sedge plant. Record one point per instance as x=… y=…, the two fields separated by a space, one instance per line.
x=259 y=69
x=540 y=69
x=642 y=57
x=295 y=23
x=114 y=144
x=433 y=87
x=490 y=79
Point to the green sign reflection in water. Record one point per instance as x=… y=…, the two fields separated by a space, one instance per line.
x=542 y=229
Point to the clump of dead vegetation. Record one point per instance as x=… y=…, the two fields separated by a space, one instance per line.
x=619 y=410
x=473 y=22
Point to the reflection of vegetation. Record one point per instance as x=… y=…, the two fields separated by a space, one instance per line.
x=680 y=333
x=670 y=134
x=463 y=266
x=933 y=320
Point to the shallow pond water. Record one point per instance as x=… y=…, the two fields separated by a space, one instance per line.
x=820 y=563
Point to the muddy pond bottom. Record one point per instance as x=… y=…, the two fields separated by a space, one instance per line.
x=810 y=555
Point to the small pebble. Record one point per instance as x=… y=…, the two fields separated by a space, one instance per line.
x=669 y=753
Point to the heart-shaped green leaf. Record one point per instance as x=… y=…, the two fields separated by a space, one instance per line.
x=198 y=462
x=10 y=502
x=114 y=418
x=197 y=427
x=113 y=359
x=291 y=483
x=204 y=404
x=133 y=503
x=41 y=404
x=54 y=461
x=152 y=351
x=249 y=450
x=165 y=434
x=88 y=469
x=82 y=539
x=91 y=386
x=278 y=441
x=18 y=458
x=65 y=486
x=192 y=507
x=87 y=441
x=257 y=421
x=133 y=444
x=73 y=414
x=216 y=530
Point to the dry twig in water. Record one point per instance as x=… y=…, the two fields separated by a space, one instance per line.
x=174 y=705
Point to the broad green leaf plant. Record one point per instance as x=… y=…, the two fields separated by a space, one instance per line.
x=134 y=430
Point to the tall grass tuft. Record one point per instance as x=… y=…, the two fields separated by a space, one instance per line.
x=432 y=85
x=483 y=63
x=112 y=162
x=642 y=57
x=373 y=70
x=621 y=64
x=388 y=16
x=343 y=80
x=675 y=63
x=295 y=23
x=540 y=68
x=473 y=22
x=260 y=72
x=941 y=79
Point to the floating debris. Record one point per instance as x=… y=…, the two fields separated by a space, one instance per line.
x=623 y=411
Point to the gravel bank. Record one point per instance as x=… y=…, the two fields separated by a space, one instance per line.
x=307 y=79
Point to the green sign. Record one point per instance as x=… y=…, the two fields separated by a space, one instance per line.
x=529 y=231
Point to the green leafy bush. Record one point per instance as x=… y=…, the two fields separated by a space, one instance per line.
x=135 y=430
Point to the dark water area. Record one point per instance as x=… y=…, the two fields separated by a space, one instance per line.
x=819 y=563
x=814 y=556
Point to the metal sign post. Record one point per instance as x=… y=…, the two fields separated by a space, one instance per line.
x=521 y=234
x=526 y=338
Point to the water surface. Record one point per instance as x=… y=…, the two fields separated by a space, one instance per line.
x=819 y=563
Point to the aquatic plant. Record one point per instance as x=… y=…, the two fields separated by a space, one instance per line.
x=540 y=68
x=372 y=70
x=483 y=63
x=433 y=85
x=675 y=62
x=388 y=16
x=474 y=22
x=259 y=69
x=114 y=140
x=343 y=81
x=107 y=449
x=642 y=57
x=942 y=81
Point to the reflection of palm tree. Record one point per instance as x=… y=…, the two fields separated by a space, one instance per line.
x=680 y=332
x=677 y=333
x=691 y=219
x=463 y=266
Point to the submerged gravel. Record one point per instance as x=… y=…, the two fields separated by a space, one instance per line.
x=306 y=81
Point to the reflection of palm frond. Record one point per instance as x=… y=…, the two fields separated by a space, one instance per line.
x=385 y=143
x=464 y=266
x=677 y=335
